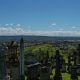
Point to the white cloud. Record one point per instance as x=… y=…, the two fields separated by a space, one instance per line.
x=29 y=27
x=20 y=31
x=6 y=24
x=11 y=31
x=61 y=29
x=53 y=24
x=74 y=27
x=11 y=24
x=18 y=25
x=54 y=33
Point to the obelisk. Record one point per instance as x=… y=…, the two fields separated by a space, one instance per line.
x=21 y=57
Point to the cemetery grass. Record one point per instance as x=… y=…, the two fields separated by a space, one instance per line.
x=65 y=76
x=35 y=49
x=43 y=48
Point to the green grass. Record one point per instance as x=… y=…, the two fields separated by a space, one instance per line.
x=47 y=47
x=35 y=49
x=43 y=47
x=65 y=76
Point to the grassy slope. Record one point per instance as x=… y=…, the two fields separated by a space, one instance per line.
x=44 y=48
x=47 y=47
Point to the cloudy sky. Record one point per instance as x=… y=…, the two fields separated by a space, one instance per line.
x=40 y=17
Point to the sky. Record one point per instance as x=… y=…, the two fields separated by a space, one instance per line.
x=40 y=17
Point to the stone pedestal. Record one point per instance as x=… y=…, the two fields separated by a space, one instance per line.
x=74 y=75
x=45 y=73
x=15 y=73
x=33 y=71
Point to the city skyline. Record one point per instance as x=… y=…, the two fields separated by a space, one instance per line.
x=40 y=17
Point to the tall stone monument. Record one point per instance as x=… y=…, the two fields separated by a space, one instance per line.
x=21 y=57
x=78 y=51
x=75 y=58
x=69 y=63
x=2 y=63
x=12 y=61
x=58 y=75
x=74 y=75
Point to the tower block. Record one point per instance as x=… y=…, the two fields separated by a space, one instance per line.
x=21 y=57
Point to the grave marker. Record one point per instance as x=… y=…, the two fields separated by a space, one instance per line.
x=33 y=71
x=74 y=75
x=58 y=75
x=45 y=73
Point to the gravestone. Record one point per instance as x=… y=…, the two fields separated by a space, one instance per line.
x=63 y=66
x=33 y=71
x=74 y=75
x=72 y=58
x=14 y=73
x=78 y=69
x=69 y=63
x=30 y=58
x=75 y=57
x=46 y=59
x=45 y=73
x=78 y=53
x=2 y=64
x=58 y=75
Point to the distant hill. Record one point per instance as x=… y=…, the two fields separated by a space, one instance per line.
x=32 y=38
